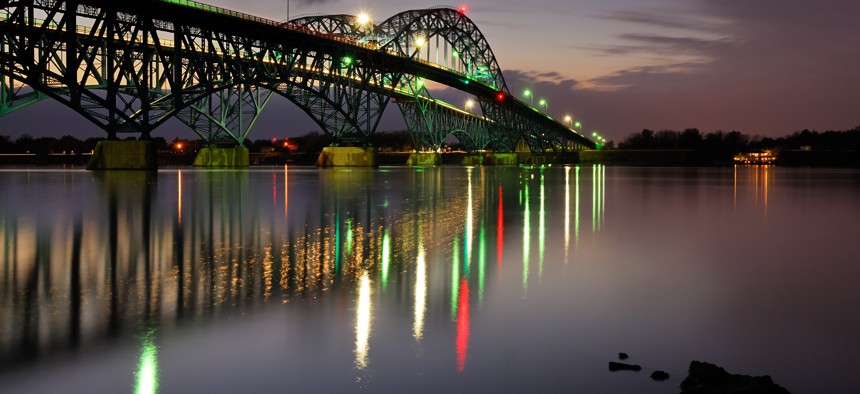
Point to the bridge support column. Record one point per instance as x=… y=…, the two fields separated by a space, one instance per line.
x=235 y=157
x=123 y=155
x=473 y=160
x=500 y=159
x=535 y=160
x=424 y=159
x=339 y=156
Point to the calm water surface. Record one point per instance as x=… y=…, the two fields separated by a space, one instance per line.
x=426 y=280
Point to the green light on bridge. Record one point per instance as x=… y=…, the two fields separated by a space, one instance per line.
x=346 y=60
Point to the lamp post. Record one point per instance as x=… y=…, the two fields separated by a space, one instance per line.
x=419 y=42
x=469 y=104
x=528 y=93
x=363 y=19
x=545 y=105
x=569 y=120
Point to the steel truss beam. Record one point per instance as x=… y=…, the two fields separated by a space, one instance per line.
x=226 y=117
x=129 y=66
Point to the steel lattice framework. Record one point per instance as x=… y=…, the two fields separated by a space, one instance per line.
x=128 y=66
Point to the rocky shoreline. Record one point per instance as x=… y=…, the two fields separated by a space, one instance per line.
x=707 y=378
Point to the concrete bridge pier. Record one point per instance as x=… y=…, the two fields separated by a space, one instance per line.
x=123 y=155
x=419 y=159
x=214 y=157
x=343 y=156
x=500 y=159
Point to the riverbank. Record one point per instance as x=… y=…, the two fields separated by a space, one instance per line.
x=623 y=157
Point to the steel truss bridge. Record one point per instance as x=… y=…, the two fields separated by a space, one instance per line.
x=129 y=66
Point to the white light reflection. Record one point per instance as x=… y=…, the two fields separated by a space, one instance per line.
x=420 y=295
x=362 y=322
x=179 y=199
x=286 y=192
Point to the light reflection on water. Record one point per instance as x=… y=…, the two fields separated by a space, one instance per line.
x=397 y=259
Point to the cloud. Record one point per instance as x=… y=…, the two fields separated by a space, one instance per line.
x=650 y=19
x=761 y=66
x=667 y=45
x=314 y=2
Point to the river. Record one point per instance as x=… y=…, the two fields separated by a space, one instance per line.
x=447 y=279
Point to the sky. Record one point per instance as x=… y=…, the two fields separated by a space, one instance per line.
x=762 y=67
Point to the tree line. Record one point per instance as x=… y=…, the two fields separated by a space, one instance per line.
x=806 y=147
x=735 y=141
x=717 y=144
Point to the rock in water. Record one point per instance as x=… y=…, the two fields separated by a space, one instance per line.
x=622 y=356
x=705 y=378
x=613 y=366
x=659 y=376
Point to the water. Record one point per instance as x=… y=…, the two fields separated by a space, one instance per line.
x=426 y=280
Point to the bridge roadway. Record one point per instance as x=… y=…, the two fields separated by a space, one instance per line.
x=31 y=51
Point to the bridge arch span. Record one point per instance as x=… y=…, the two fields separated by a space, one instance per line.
x=470 y=49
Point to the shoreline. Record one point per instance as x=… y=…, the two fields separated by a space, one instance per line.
x=619 y=157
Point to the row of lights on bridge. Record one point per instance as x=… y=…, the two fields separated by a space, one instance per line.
x=363 y=18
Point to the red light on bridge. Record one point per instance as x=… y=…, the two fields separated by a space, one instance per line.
x=500 y=96
x=463 y=9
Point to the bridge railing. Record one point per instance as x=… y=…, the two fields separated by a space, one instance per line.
x=223 y=11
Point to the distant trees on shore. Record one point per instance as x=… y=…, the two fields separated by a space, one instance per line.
x=720 y=147
x=736 y=141
x=717 y=145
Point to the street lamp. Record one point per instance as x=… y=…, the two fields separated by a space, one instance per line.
x=419 y=42
x=578 y=125
x=528 y=93
x=363 y=19
x=545 y=105
x=469 y=104
x=569 y=120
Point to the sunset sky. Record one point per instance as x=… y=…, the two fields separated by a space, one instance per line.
x=762 y=67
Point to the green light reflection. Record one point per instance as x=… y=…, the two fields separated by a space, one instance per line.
x=386 y=257
x=594 y=198
x=566 y=213
x=541 y=227
x=146 y=376
x=455 y=276
x=526 y=240
x=348 y=236
x=576 y=212
x=482 y=261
